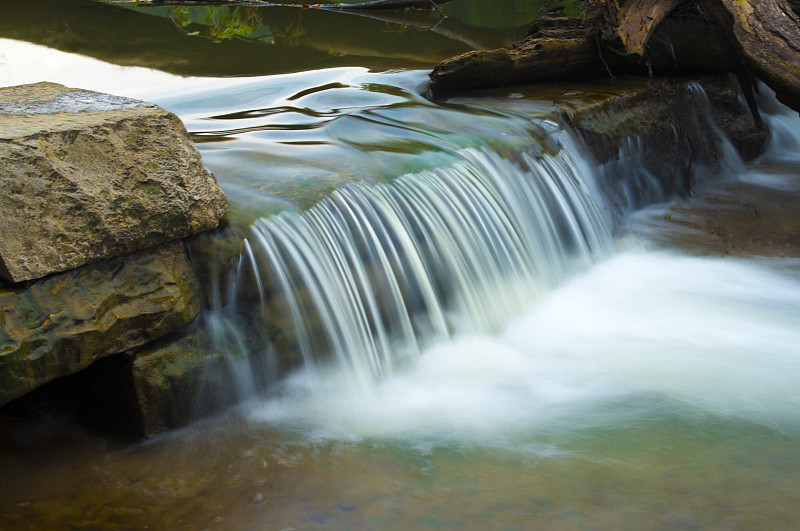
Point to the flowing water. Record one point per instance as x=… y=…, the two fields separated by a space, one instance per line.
x=483 y=345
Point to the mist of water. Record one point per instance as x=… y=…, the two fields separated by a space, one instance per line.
x=641 y=337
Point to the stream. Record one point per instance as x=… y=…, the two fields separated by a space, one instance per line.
x=487 y=343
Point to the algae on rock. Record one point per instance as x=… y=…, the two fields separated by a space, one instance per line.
x=60 y=325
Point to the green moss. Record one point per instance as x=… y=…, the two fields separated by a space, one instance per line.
x=28 y=312
x=60 y=154
x=133 y=137
x=149 y=188
x=44 y=209
x=86 y=230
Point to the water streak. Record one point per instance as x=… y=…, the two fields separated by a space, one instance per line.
x=373 y=272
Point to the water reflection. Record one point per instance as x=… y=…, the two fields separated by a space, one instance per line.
x=248 y=41
x=299 y=136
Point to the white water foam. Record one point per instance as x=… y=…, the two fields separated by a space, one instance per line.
x=640 y=336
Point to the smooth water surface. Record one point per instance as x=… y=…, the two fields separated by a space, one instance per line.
x=639 y=389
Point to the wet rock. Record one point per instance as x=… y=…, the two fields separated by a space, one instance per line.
x=215 y=255
x=668 y=104
x=665 y=137
x=61 y=324
x=167 y=379
x=757 y=218
x=192 y=373
x=86 y=176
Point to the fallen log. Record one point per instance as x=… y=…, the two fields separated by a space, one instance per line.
x=555 y=50
x=563 y=49
x=768 y=32
x=751 y=38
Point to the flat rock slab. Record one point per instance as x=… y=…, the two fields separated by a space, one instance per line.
x=86 y=176
x=760 y=217
x=60 y=325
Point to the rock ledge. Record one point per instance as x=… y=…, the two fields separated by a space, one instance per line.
x=86 y=176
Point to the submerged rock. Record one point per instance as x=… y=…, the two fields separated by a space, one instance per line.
x=60 y=325
x=745 y=218
x=86 y=176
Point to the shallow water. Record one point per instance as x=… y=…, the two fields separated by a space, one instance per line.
x=652 y=390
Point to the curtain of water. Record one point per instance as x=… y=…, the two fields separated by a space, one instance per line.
x=373 y=272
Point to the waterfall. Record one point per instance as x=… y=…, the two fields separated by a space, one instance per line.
x=372 y=273
x=784 y=127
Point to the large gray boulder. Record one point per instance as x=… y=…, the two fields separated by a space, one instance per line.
x=86 y=176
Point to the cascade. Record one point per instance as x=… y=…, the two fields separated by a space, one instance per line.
x=374 y=272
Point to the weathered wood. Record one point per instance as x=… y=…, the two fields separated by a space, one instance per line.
x=555 y=49
x=751 y=38
x=768 y=32
x=640 y=18
x=561 y=49
x=633 y=23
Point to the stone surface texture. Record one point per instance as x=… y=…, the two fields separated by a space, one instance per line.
x=86 y=176
x=666 y=137
x=173 y=378
x=60 y=325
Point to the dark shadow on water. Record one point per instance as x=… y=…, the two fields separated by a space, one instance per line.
x=221 y=41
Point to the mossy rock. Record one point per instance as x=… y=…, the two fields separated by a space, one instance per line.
x=60 y=325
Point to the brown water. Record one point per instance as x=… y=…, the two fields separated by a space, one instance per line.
x=230 y=474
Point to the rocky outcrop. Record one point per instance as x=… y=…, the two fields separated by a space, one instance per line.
x=186 y=376
x=653 y=140
x=86 y=176
x=97 y=195
x=560 y=49
x=62 y=324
